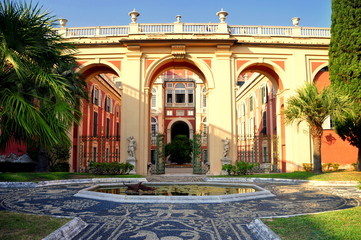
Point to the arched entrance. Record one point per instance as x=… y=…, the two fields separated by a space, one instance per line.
x=177 y=100
x=179 y=128
x=98 y=130
x=259 y=124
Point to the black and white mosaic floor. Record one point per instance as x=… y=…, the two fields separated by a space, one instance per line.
x=110 y=220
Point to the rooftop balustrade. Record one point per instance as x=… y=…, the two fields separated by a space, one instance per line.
x=193 y=28
x=179 y=27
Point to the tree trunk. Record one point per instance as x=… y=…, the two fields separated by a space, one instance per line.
x=317 y=164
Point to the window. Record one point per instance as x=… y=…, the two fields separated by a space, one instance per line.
x=154 y=98
x=264 y=122
x=169 y=96
x=180 y=93
x=242 y=131
x=204 y=97
x=94 y=154
x=117 y=131
x=251 y=127
x=243 y=109
x=251 y=103
x=95 y=95
x=265 y=154
x=190 y=95
x=107 y=128
x=264 y=94
x=154 y=127
x=108 y=104
x=117 y=111
x=95 y=124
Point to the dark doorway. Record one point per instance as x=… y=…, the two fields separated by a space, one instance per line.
x=179 y=128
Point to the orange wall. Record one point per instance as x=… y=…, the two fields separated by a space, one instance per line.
x=333 y=148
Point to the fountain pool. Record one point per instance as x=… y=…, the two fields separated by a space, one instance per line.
x=181 y=192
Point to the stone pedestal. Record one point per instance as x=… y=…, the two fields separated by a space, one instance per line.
x=132 y=161
x=225 y=160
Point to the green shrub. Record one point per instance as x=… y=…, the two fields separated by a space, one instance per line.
x=239 y=168
x=330 y=166
x=61 y=167
x=113 y=168
x=326 y=167
x=335 y=166
x=179 y=149
x=354 y=165
x=229 y=168
x=308 y=167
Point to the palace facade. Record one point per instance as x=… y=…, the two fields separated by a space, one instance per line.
x=220 y=82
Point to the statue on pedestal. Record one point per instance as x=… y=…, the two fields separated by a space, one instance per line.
x=132 y=146
x=225 y=148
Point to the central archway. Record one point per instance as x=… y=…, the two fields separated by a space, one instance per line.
x=179 y=128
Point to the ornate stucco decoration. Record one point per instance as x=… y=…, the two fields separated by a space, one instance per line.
x=179 y=51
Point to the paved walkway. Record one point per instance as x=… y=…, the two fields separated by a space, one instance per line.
x=226 y=221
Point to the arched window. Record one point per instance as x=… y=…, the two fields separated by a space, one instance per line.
x=154 y=97
x=154 y=131
x=180 y=93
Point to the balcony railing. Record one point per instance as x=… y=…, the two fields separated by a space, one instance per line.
x=194 y=28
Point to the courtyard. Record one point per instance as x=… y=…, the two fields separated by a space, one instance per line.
x=111 y=220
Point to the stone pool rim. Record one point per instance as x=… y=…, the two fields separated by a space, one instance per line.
x=260 y=193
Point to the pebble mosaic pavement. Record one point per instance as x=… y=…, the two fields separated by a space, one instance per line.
x=226 y=221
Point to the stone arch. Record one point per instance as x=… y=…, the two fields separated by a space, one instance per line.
x=196 y=65
x=92 y=68
x=271 y=70
x=171 y=123
x=317 y=70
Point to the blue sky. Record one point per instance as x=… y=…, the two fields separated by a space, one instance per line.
x=81 y=13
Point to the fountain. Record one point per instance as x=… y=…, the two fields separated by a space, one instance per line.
x=170 y=192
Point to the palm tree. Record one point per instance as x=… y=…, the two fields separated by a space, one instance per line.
x=37 y=97
x=314 y=107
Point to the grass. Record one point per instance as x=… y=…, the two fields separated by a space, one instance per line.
x=327 y=176
x=344 y=224
x=21 y=226
x=45 y=176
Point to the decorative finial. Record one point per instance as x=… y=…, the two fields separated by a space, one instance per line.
x=296 y=21
x=63 y=22
x=222 y=15
x=134 y=15
x=178 y=17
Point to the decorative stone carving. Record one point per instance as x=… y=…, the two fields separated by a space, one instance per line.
x=179 y=51
x=225 y=148
x=178 y=17
x=132 y=146
x=63 y=22
x=296 y=21
x=134 y=15
x=222 y=15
